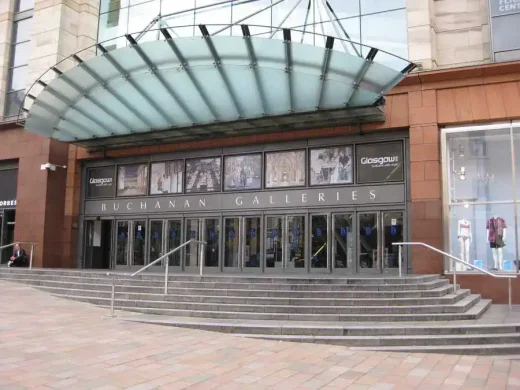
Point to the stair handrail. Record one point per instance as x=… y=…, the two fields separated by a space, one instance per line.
x=166 y=270
x=32 y=244
x=501 y=276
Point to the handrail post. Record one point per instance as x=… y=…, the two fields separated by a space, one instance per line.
x=201 y=262
x=31 y=256
x=112 y=311
x=166 y=276
x=454 y=277
x=510 y=294
x=399 y=259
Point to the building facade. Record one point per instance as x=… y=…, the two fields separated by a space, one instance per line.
x=306 y=196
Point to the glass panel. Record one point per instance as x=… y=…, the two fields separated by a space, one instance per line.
x=13 y=103
x=343 y=241
x=319 y=236
x=372 y=6
x=174 y=240
x=18 y=78
x=182 y=19
x=274 y=242
x=393 y=228
x=231 y=242
x=477 y=237
x=24 y=5
x=285 y=169
x=387 y=31
x=220 y=14
x=8 y=233
x=240 y=11
x=20 y=54
x=480 y=166
x=167 y=178
x=89 y=243
x=211 y=236
x=139 y=243
x=368 y=239
x=111 y=5
x=112 y=25
x=252 y=255
x=22 y=30
x=331 y=166
x=344 y=8
x=132 y=180
x=192 y=253
x=243 y=172
x=5 y=254
x=140 y=17
x=156 y=241
x=203 y=175
x=122 y=243
x=296 y=234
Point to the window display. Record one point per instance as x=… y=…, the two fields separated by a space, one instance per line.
x=496 y=235
x=243 y=172
x=331 y=165
x=132 y=180
x=167 y=178
x=464 y=235
x=285 y=169
x=203 y=175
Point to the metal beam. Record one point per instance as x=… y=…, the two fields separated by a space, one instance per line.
x=329 y=45
x=84 y=94
x=187 y=69
x=106 y=87
x=220 y=69
x=154 y=71
x=288 y=66
x=411 y=66
x=336 y=19
x=335 y=27
x=361 y=73
x=284 y=19
x=253 y=64
x=144 y=94
x=306 y=19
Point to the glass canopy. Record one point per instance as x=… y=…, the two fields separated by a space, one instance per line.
x=185 y=88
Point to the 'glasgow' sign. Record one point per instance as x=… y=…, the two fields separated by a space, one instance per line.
x=101 y=182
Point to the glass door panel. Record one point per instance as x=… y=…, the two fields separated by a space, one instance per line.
x=139 y=244
x=274 y=242
x=211 y=236
x=174 y=233
x=232 y=243
x=252 y=233
x=123 y=230
x=393 y=232
x=192 y=249
x=319 y=236
x=156 y=241
x=343 y=241
x=368 y=241
x=89 y=244
x=296 y=237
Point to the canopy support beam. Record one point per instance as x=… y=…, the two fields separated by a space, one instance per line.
x=288 y=66
x=405 y=71
x=325 y=69
x=254 y=66
x=359 y=77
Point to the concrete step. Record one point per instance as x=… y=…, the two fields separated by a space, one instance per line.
x=401 y=341
x=459 y=306
x=106 y=286
x=239 y=284
x=478 y=349
x=224 y=299
x=471 y=309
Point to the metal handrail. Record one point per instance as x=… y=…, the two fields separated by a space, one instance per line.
x=32 y=244
x=508 y=277
x=166 y=270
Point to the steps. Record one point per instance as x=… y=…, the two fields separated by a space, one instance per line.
x=414 y=313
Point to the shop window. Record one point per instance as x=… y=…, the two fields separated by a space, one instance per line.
x=132 y=180
x=285 y=169
x=203 y=174
x=167 y=177
x=243 y=172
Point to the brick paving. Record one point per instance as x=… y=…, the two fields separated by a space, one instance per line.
x=50 y=343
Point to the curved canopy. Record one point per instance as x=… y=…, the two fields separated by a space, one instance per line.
x=191 y=87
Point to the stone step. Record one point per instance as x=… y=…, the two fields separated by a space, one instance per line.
x=469 y=309
x=459 y=306
x=240 y=285
x=106 y=286
x=477 y=349
x=228 y=278
x=223 y=299
x=392 y=341
x=324 y=328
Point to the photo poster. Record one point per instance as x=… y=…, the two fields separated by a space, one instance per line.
x=331 y=165
x=285 y=169
x=243 y=172
x=132 y=180
x=167 y=177
x=203 y=175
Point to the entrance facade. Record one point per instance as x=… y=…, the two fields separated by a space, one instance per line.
x=309 y=209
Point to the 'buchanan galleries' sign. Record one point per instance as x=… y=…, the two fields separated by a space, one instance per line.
x=314 y=197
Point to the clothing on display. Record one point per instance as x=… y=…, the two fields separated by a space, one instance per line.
x=464 y=235
x=496 y=234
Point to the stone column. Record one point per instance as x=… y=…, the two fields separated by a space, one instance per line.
x=6 y=29
x=421 y=33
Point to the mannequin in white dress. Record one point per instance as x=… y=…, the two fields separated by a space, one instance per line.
x=464 y=235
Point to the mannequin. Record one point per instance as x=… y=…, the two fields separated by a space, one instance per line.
x=464 y=235
x=496 y=236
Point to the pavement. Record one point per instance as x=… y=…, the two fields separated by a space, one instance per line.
x=51 y=343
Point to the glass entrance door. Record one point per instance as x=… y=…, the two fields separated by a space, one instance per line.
x=377 y=231
x=122 y=244
x=285 y=244
x=343 y=242
x=131 y=244
x=156 y=242
x=174 y=239
x=202 y=229
x=242 y=237
x=319 y=243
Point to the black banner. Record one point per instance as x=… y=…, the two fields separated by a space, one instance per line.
x=101 y=182
x=379 y=163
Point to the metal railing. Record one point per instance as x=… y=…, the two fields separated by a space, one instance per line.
x=32 y=244
x=166 y=270
x=508 y=277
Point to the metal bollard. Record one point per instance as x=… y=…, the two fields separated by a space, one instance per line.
x=400 y=260
x=31 y=256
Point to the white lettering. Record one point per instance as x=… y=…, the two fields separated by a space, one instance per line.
x=101 y=181
x=255 y=200
x=271 y=199
x=157 y=205
x=287 y=199
x=172 y=204
x=379 y=160
x=202 y=202
x=304 y=198
x=354 y=195
x=239 y=201
x=337 y=196
x=129 y=206
x=116 y=206
x=321 y=196
x=143 y=205
x=187 y=204
x=372 y=194
x=103 y=207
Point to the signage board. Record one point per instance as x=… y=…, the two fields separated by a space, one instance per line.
x=8 y=187
x=325 y=197
x=380 y=162
x=101 y=182
x=505 y=18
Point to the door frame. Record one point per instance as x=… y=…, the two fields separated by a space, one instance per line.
x=200 y=248
x=328 y=267
x=353 y=267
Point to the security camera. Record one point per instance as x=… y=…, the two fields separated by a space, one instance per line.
x=48 y=167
